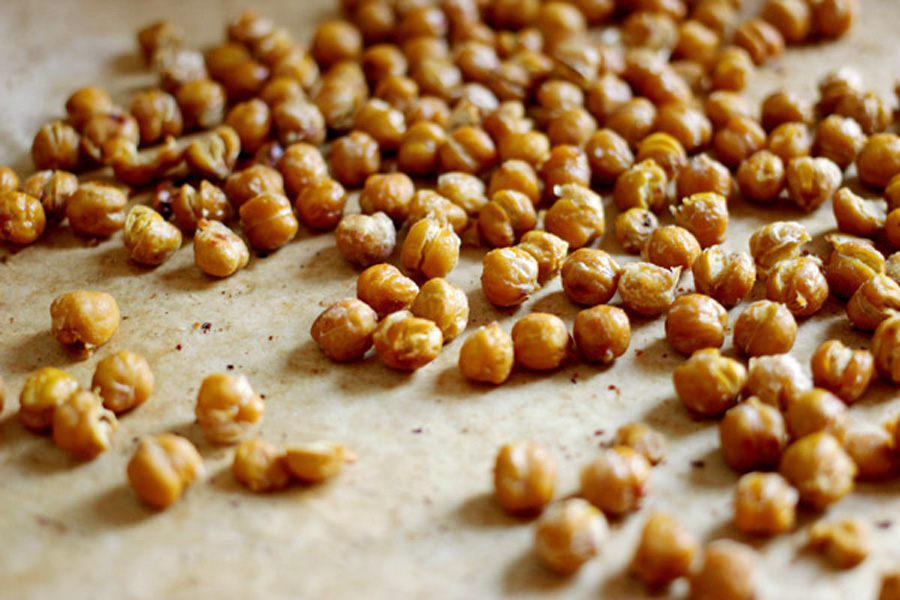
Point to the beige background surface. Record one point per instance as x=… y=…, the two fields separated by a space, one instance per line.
x=413 y=518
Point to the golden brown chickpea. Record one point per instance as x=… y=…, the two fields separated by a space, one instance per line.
x=728 y=571
x=514 y=175
x=844 y=542
x=301 y=165
x=418 y=153
x=705 y=216
x=149 y=239
x=445 y=305
x=791 y=140
x=506 y=217
x=436 y=76
x=84 y=319
x=633 y=120
x=799 y=284
x=299 y=121
x=776 y=380
x=890 y=586
x=891 y=192
x=784 y=107
x=341 y=91
x=228 y=408
x=602 y=333
x=590 y=277
x=44 y=390
x=386 y=289
x=321 y=205
x=248 y=27
x=158 y=116
x=177 y=67
x=573 y=126
x=103 y=128
x=843 y=371
x=512 y=13
x=873 y=451
x=609 y=156
x=215 y=155
x=260 y=466
x=718 y=15
x=344 y=330
x=56 y=146
x=82 y=426
x=469 y=150
x=218 y=251
x=487 y=355
x=665 y=552
x=892 y=266
x=202 y=103
x=694 y=322
x=22 y=218
x=643 y=439
x=532 y=147
x=9 y=181
x=812 y=181
x=764 y=328
x=191 y=205
x=819 y=468
x=123 y=380
x=268 y=221
x=541 y=341
x=524 y=478
x=281 y=89
x=696 y=42
x=407 y=343
x=738 y=139
x=879 y=159
x=642 y=186
x=565 y=165
x=548 y=250
x=760 y=39
x=354 y=158
x=559 y=21
x=366 y=239
x=851 y=263
x=703 y=174
x=52 y=188
x=252 y=121
x=162 y=468
x=385 y=124
x=158 y=36
x=383 y=60
x=775 y=242
x=792 y=18
x=728 y=278
x=616 y=481
x=652 y=30
x=663 y=149
x=839 y=139
x=761 y=177
x=509 y=276
x=672 y=246
x=709 y=383
x=764 y=504
x=732 y=70
x=431 y=249
x=833 y=18
x=428 y=109
x=752 y=436
x=465 y=190
x=569 y=534
x=722 y=105
x=687 y=125
x=335 y=41
x=884 y=346
x=647 y=289
x=633 y=228
x=576 y=216
x=651 y=76
x=816 y=410
x=875 y=301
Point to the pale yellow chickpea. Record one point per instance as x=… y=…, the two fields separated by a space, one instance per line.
x=260 y=467
x=445 y=305
x=765 y=504
x=845 y=542
x=524 y=477
x=44 y=390
x=407 y=343
x=344 y=330
x=317 y=461
x=665 y=552
x=162 y=468
x=709 y=383
x=82 y=426
x=648 y=290
x=569 y=534
x=777 y=380
x=752 y=436
x=728 y=571
x=616 y=481
x=84 y=319
x=541 y=341
x=228 y=408
x=819 y=468
x=508 y=276
x=487 y=355
x=123 y=380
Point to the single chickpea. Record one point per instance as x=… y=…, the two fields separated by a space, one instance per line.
x=159 y=36
x=696 y=42
x=812 y=181
x=875 y=301
x=149 y=239
x=851 y=263
x=819 y=468
x=22 y=218
x=728 y=278
x=718 y=15
x=645 y=185
x=816 y=410
x=102 y=129
x=799 y=284
x=298 y=121
x=784 y=107
x=524 y=477
x=764 y=328
x=509 y=276
x=162 y=468
x=96 y=209
x=565 y=165
x=248 y=27
x=609 y=156
x=86 y=103
x=843 y=371
x=506 y=217
x=281 y=89
x=228 y=408
x=738 y=139
x=705 y=216
x=321 y=205
x=268 y=221
x=633 y=229
x=885 y=342
x=776 y=380
x=752 y=436
x=468 y=191
x=891 y=192
x=215 y=155
x=84 y=319
x=9 y=181
x=469 y=150
x=344 y=330
x=687 y=125
x=260 y=466
x=418 y=153
x=428 y=109
x=192 y=205
x=573 y=126
x=653 y=30
x=548 y=250
x=316 y=462
x=541 y=341
x=447 y=306
x=386 y=289
x=663 y=149
x=431 y=249
x=301 y=165
x=765 y=504
x=590 y=277
x=709 y=383
x=845 y=542
x=760 y=39
x=388 y=193
x=694 y=322
x=647 y=289
x=517 y=176
x=576 y=216
x=892 y=228
x=728 y=571
x=202 y=103
x=366 y=239
x=487 y=355
x=791 y=140
x=602 y=333
x=666 y=551
x=703 y=174
x=82 y=426
x=839 y=139
x=354 y=158
x=335 y=41
x=866 y=108
x=733 y=70
x=56 y=146
x=157 y=115
x=722 y=105
x=44 y=390
x=775 y=242
x=672 y=246
x=644 y=439
x=761 y=177
x=633 y=120
x=833 y=18
x=218 y=251
x=792 y=18
x=872 y=449
x=341 y=91
x=244 y=185
x=384 y=123
x=892 y=267
x=407 y=343
x=568 y=534
x=123 y=380
x=616 y=481
x=879 y=160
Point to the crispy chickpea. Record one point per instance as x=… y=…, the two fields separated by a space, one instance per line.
x=487 y=355
x=812 y=181
x=298 y=121
x=509 y=276
x=761 y=177
x=703 y=174
x=22 y=218
x=215 y=155
x=469 y=150
x=202 y=103
x=609 y=156
x=431 y=249
x=51 y=188
x=419 y=148
x=732 y=70
x=760 y=39
x=103 y=128
x=541 y=341
x=647 y=289
x=384 y=123
x=344 y=330
x=851 y=263
x=738 y=139
x=633 y=120
x=728 y=278
x=892 y=266
x=507 y=217
x=465 y=190
x=569 y=534
x=162 y=468
x=844 y=542
x=799 y=284
x=218 y=251
x=792 y=18
x=301 y=165
x=708 y=383
x=776 y=380
x=84 y=319
x=644 y=439
x=819 y=468
x=791 y=140
x=123 y=380
x=248 y=183
x=149 y=239
x=9 y=181
x=857 y=216
x=602 y=333
x=764 y=328
x=752 y=436
x=56 y=146
x=386 y=289
x=82 y=426
x=663 y=149
x=342 y=91
x=722 y=105
x=245 y=80
x=517 y=176
x=524 y=477
x=696 y=42
x=429 y=109
x=643 y=186
x=653 y=30
x=445 y=305
x=843 y=371
x=366 y=239
x=616 y=481
x=705 y=216
x=157 y=114
x=177 y=66
x=775 y=242
x=548 y=250
x=816 y=410
x=44 y=390
x=321 y=205
x=335 y=41
x=248 y=27
x=665 y=552
x=872 y=449
x=159 y=36
x=192 y=205
x=784 y=107
x=687 y=125
x=260 y=466
x=694 y=322
x=590 y=277
x=316 y=462
x=228 y=408
x=633 y=228
x=875 y=301
x=565 y=165
x=268 y=221
x=885 y=342
x=728 y=571
x=96 y=209
x=672 y=246
x=833 y=18
x=879 y=159
x=764 y=504
x=839 y=139
x=576 y=216
x=891 y=192
x=407 y=343
x=354 y=158
x=383 y=60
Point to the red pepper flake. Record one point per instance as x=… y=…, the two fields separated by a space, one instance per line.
x=613 y=388
x=665 y=355
x=886 y=524
x=417 y=430
x=574 y=378
x=698 y=464
x=206 y=327
x=600 y=432
x=271 y=337
x=229 y=367
x=638 y=352
x=178 y=347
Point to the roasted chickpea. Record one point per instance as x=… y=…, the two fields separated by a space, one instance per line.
x=764 y=328
x=798 y=284
x=541 y=341
x=812 y=181
x=569 y=534
x=672 y=246
x=218 y=251
x=487 y=355
x=816 y=410
x=819 y=468
x=177 y=66
x=268 y=221
x=82 y=426
x=616 y=481
x=384 y=123
x=728 y=571
x=851 y=263
x=839 y=139
x=44 y=390
x=663 y=149
x=321 y=205
x=633 y=228
x=833 y=18
x=793 y=18
x=248 y=27
x=96 y=209
x=215 y=155
x=608 y=155
x=253 y=181
x=642 y=438
x=228 y=408
x=386 y=289
x=84 y=319
x=157 y=114
x=776 y=380
x=419 y=148
x=509 y=276
x=576 y=216
x=891 y=192
x=764 y=504
x=102 y=129
x=407 y=343
x=653 y=30
x=507 y=217
x=695 y=321
x=301 y=165
x=202 y=103
x=162 y=468
x=738 y=139
x=524 y=477
x=149 y=239
x=469 y=150
x=192 y=205
x=365 y=239
x=791 y=140
x=548 y=250
x=705 y=216
x=687 y=125
x=872 y=449
x=22 y=218
x=298 y=121
x=602 y=333
x=844 y=542
x=260 y=466
x=647 y=289
x=708 y=383
x=784 y=107
x=666 y=551
x=752 y=436
x=159 y=36
x=468 y=191
x=565 y=165
x=722 y=105
x=760 y=39
x=843 y=371
x=447 y=306
x=431 y=249
x=316 y=462
x=696 y=42
x=341 y=91
x=633 y=120
x=355 y=157
x=885 y=342
x=590 y=277
x=890 y=586
x=344 y=330
x=429 y=109
x=123 y=380
x=335 y=41
x=775 y=242
x=761 y=177
x=879 y=159
x=645 y=185
x=732 y=70
x=703 y=174
x=875 y=301
x=9 y=181
x=728 y=278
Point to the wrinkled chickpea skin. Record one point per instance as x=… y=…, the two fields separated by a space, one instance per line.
x=228 y=408
x=83 y=319
x=162 y=468
x=487 y=355
x=524 y=477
